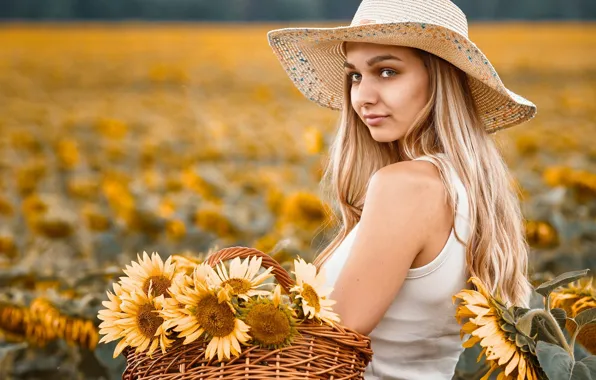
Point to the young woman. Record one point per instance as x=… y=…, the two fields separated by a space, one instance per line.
x=425 y=198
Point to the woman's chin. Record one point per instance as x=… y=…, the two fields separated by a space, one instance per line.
x=383 y=136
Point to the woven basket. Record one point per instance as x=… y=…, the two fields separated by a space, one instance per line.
x=319 y=351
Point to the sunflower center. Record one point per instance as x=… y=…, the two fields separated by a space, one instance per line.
x=216 y=318
x=268 y=324
x=160 y=286
x=311 y=297
x=148 y=321
x=239 y=285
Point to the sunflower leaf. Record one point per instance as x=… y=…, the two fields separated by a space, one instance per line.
x=528 y=324
x=560 y=316
x=554 y=361
x=546 y=288
x=519 y=312
x=521 y=341
x=508 y=328
x=542 y=332
x=508 y=317
x=585 y=317
x=580 y=372
x=588 y=368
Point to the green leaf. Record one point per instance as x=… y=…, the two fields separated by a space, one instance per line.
x=541 y=331
x=590 y=363
x=560 y=280
x=585 y=369
x=521 y=340
x=561 y=317
x=519 y=312
x=508 y=317
x=508 y=328
x=524 y=324
x=580 y=372
x=585 y=317
x=554 y=361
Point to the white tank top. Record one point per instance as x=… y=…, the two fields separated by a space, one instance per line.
x=418 y=337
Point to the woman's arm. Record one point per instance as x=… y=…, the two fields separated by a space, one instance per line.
x=402 y=206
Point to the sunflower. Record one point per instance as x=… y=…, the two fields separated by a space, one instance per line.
x=311 y=289
x=242 y=279
x=172 y=308
x=185 y=263
x=207 y=310
x=575 y=298
x=149 y=271
x=141 y=324
x=271 y=322
x=492 y=325
x=110 y=315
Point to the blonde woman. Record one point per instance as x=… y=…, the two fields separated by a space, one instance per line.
x=425 y=198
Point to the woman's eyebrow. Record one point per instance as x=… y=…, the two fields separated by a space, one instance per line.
x=374 y=60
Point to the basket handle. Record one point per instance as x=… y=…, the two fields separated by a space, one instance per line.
x=281 y=275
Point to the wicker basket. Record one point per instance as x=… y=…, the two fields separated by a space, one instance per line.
x=317 y=352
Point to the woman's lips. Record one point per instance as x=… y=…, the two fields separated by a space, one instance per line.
x=374 y=121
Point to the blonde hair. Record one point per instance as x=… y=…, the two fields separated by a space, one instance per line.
x=497 y=251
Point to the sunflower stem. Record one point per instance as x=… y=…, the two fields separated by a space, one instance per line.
x=573 y=337
x=548 y=317
x=554 y=327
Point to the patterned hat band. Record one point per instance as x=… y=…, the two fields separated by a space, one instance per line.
x=313 y=57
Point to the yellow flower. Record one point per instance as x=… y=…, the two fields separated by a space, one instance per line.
x=492 y=326
x=575 y=298
x=208 y=311
x=110 y=315
x=173 y=310
x=6 y=208
x=213 y=221
x=186 y=262
x=8 y=247
x=149 y=271
x=271 y=322
x=541 y=234
x=304 y=210
x=242 y=279
x=141 y=324
x=175 y=229
x=311 y=289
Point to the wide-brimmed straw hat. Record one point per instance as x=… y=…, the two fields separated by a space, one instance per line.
x=313 y=57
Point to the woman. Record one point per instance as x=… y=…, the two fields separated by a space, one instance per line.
x=425 y=198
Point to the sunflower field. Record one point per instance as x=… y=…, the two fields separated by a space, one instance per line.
x=183 y=138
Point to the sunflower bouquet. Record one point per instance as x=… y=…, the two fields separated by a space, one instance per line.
x=523 y=343
x=182 y=316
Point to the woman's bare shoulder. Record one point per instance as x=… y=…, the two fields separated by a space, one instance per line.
x=414 y=174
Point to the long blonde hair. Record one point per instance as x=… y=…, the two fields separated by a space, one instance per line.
x=497 y=252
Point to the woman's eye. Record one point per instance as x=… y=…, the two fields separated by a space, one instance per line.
x=352 y=77
x=391 y=72
x=355 y=77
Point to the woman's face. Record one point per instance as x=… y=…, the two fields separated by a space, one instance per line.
x=386 y=81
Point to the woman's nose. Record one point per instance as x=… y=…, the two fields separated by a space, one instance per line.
x=366 y=93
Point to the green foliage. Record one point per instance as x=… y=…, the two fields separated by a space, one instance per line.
x=564 y=279
x=554 y=353
x=557 y=364
x=585 y=317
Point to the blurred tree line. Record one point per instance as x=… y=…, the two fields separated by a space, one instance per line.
x=268 y=10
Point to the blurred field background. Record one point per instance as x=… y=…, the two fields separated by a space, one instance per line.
x=118 y=138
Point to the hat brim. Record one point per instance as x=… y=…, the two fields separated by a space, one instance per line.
x=313 y=59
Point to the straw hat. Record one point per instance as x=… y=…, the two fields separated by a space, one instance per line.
x=313 y=57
